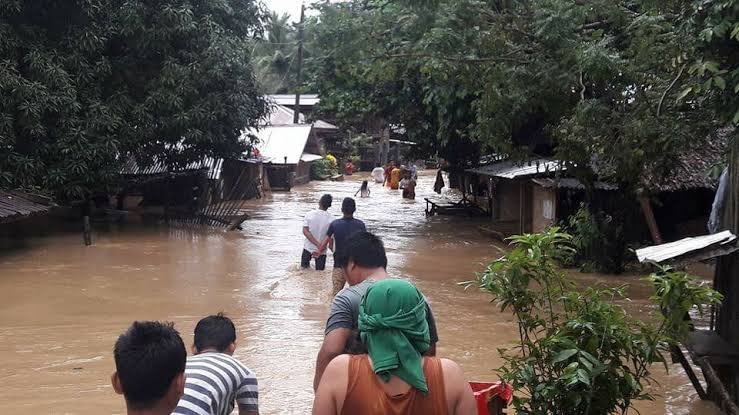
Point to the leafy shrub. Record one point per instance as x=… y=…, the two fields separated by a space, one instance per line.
x=324 y=168
x=599 y=241
x=579 y=352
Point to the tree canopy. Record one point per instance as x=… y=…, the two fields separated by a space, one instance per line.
x=620 y=85
x=86 y=84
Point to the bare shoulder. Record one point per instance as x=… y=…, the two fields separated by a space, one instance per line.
x=451 y=369
x=338 y=365
x=341 y=360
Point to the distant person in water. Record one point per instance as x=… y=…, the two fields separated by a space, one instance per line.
x=378 y=174
x=395 y=178
x=150 y=368
x=349 y=168
x=408 y=184
x=315 y=225
x=393 y=377
x=339 y=232
x=364 y=190
x=388 y=173
x=215 y=381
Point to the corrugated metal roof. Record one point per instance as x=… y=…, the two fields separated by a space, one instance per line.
x=306 y=100
x=664 y=252
x=282 y=144
x=133 y=168
x=281 y=115
x=16 y=205
x=571 y=183
x=308 y=157
x=512 y=170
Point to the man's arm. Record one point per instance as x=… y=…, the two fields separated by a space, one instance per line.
x=328 y=238
x=459 y=395
x=333 y=345
x=331 y=393
x=310 y=237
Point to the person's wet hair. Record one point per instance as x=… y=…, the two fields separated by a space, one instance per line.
x=214 y=332
x=348 y=206
x=148 y=357
x=326 y=201
x=366 y=250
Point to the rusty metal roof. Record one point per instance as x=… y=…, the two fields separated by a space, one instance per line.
x=16 y=205
x=689 y=246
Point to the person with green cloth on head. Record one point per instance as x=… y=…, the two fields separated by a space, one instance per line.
x=394 y=377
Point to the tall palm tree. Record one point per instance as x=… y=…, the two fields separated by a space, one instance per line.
x=276 y=54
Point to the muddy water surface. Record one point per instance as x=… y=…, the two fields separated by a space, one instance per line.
x=62 y=305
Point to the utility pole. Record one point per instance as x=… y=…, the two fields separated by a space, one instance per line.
x=296 y=112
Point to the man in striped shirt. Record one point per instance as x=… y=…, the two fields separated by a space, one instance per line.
x=215 y=381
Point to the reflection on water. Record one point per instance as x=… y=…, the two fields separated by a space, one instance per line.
x=62 y=305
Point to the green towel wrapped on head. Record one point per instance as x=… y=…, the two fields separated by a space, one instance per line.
x=393 y=325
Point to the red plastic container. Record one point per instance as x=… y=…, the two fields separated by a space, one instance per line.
x=491 y=398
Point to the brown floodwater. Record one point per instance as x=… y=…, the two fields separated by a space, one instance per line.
x=62 y=305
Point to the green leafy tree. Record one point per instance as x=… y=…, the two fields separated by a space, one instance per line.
x=572 y=80
x=86 y=84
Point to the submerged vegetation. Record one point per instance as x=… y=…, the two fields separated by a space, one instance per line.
x=579 y=351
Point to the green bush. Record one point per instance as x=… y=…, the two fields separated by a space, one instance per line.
x=323 y=169
x=599 y=242
x=579 y=352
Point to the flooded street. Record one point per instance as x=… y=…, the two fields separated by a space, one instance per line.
x=62 y=305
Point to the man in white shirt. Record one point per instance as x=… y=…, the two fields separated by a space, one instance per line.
x=378 y=174
x=315 y=226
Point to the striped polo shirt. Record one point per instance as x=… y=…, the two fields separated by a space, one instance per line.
x=214 y=382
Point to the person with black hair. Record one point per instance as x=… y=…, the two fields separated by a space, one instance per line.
x=150 y=368
x=366 y=263
x=315 y=226
x=338 y=233
x=215 y=380
x=363 y=189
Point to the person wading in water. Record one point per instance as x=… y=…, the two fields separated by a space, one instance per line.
x=339 y=231
x=366 y=265
x=393 y=378
x=315 y=225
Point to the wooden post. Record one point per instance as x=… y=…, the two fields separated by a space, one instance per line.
x=719 y=394
x=678 y=355
x=646 y=206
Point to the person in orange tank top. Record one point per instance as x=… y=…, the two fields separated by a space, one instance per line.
x=393 y=378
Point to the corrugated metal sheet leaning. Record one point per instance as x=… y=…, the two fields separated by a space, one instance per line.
x=673 y=250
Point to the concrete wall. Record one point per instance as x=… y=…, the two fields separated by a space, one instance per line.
x=544 y=208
